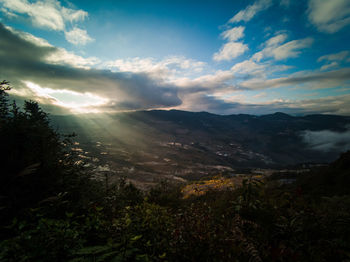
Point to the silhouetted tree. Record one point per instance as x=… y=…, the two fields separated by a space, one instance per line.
x=36 y=161
x=4 y=86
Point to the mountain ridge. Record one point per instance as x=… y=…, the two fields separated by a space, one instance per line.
x=180 y=140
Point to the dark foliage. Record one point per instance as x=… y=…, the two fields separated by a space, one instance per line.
x=36 y=162
x=329 y=181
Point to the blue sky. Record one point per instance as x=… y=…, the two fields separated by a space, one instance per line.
x=224 y=57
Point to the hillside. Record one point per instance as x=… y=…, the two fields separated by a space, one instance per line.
x=187 y=145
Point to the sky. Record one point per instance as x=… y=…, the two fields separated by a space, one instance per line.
x=223 y=57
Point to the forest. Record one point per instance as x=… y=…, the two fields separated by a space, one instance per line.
x=52 y=208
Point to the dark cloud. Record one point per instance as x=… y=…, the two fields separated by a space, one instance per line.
x=16 y=50
x=22 y=59
x=202 y=102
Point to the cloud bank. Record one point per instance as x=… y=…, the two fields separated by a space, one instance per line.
x=327 y=140
x=31 y=59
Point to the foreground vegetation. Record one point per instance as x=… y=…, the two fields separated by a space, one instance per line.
x=52 y=210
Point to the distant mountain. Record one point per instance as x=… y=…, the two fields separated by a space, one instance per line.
x=179 y=142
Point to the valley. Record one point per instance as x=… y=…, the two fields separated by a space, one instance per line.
x=149 y=146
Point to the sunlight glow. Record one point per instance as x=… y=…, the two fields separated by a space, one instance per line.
x=77 y=102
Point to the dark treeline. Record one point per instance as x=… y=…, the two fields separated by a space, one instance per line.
x=51 y=208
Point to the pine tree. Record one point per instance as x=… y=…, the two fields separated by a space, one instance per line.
x=4 y=86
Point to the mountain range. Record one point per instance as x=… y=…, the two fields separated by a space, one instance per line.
x=189 y=145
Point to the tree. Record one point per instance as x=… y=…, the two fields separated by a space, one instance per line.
x=36 y=161
x=4 y=86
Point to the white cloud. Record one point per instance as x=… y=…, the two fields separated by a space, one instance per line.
x=276 y=40
x=72 y=15
x=218 y=80
x=312 y=80
x=168 y=69
x=329 y=16
x=62 y=57
x=135 y=64
x=233 y=34
x=333 y=60
x=212 y=80
x=78 y=36
x=49 y=14
x=250 y=11
x=8 y=13
x=184 y=63
x=230 y=51
x=223 y=82
x=334 y=57
x=331 y=65
x=292 y=48
x=274 y=48
x=249 y=67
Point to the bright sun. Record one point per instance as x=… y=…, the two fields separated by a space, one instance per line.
x=78 y=102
